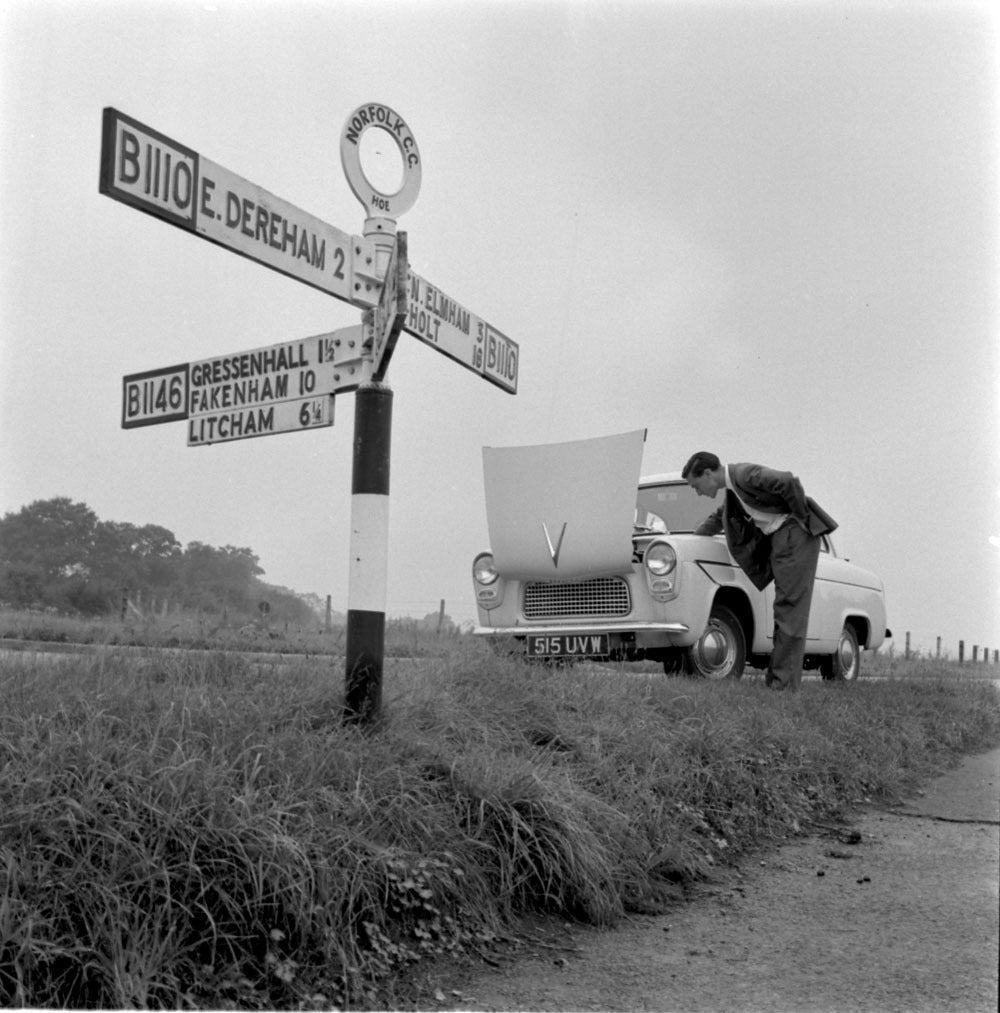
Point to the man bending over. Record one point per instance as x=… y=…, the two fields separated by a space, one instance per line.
x=773 y=531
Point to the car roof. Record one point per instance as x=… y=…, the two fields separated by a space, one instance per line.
x=661 y=479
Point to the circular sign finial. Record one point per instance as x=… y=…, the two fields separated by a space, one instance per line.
x=374 y=116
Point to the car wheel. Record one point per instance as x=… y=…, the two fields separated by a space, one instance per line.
x=845 y=663
x=721 y=651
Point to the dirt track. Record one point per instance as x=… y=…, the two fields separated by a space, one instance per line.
x=906 y=919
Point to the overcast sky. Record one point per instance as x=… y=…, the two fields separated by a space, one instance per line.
x=763 y=229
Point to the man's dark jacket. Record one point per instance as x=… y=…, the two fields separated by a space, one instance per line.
x=762 y=488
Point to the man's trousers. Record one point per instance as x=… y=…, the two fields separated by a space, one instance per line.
x=794 y=556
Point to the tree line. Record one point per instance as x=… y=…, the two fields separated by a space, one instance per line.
x=56 y=553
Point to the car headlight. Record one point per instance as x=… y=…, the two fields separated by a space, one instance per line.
x=660 y=558
x=484 y=570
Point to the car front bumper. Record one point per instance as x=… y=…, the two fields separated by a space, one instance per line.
x=581 y=628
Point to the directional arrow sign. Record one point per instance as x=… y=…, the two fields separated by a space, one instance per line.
x=148 y=171
x=284 y=372
x=155 y=396
x=315 y=367
x=391 y=309
x=439 y=321
x=260 y=420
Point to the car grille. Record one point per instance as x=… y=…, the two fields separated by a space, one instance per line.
x=602 y=596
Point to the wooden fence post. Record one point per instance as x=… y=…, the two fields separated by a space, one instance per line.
x=961 y=651
x=937 y=650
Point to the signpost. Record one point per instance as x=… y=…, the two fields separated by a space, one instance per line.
x=293 y=371
x=290 y=386
x=391 y=309
x=148 y=171
x=155 y=396
x=441 y=322
x=260 y=420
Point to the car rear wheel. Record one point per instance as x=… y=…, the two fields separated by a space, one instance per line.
x=845 y=663
x=721 y=651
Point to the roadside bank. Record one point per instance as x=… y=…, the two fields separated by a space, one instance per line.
x=905 y=919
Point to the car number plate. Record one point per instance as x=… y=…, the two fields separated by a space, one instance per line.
x=568 y=645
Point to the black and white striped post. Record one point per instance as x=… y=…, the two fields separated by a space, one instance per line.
x=366 y=592
x=369 y=564
x=368 y=571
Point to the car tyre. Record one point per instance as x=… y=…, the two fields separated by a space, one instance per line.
x=721 y=650
x=844 y=665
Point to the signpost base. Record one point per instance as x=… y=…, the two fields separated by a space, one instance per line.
x=366 y=593
x=364 y=663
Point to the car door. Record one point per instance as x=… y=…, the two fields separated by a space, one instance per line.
x=826 y=614
x=825 y=610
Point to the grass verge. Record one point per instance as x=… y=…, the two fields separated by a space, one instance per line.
x=195 y=832
x=404 y=638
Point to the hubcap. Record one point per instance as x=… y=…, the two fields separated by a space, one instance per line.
x=716 y=652
x=848 y=661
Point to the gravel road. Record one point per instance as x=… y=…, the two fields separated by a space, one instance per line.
x=906 y=919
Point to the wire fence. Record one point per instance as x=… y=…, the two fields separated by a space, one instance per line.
x=975 y=658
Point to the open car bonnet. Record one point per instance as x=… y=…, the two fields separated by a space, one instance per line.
x=563 y=511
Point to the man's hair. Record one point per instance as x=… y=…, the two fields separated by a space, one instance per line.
x=699 y=463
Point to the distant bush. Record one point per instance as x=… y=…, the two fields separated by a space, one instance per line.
x=56 y=553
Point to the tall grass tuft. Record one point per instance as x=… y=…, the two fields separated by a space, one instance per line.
x=191 y=831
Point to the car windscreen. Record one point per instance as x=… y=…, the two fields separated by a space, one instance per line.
x=674 y=507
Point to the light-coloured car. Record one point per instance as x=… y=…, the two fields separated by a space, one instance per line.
x=671 y=596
